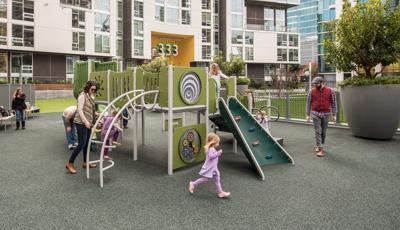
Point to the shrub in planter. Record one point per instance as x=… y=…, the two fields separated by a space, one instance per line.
x=366 y=39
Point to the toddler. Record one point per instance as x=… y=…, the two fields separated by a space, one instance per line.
x=210 y=167
x=114 y=133
x=262 y=118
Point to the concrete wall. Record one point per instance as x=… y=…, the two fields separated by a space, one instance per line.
x=50 y=94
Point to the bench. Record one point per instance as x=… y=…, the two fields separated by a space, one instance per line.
x=3 y=121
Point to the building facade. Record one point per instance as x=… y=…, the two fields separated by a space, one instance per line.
x=191 y=32
x=304 y=19
x=41 y=39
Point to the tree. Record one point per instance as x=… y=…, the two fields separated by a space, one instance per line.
x=220 y=60
x=156 y=64
x=366 y=35
x=236 y=66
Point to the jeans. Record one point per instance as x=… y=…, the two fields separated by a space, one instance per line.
x=320 y=126
x=125 y=114
x=83 y=140
x=20 y=117
x=71 y=135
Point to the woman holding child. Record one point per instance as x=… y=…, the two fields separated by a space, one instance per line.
x=84 y=120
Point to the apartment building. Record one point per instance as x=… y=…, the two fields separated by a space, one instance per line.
x=41 y=39
x=191 y=32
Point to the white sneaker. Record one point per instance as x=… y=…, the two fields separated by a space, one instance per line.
x=70 y=147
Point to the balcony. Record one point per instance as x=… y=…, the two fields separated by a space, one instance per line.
x=281 y=3
x=258 y=27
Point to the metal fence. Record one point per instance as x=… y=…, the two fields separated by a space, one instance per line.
x=7 y=90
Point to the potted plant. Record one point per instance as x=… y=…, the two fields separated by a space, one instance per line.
x=242 y=84
x=366 y=39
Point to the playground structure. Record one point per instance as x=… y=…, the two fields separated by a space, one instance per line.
x=175 y=91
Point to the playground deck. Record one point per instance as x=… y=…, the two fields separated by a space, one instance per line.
x=355 y=187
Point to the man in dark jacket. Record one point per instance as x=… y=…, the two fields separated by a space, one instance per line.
x=321 y=104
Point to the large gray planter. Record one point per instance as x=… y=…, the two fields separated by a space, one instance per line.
x=372 y=111
x=242 y=89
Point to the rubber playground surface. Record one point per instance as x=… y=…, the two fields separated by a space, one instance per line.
x=356 y=186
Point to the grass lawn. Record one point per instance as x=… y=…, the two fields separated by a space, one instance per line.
x=54 y=105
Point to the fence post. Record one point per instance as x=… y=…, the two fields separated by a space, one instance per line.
x=338 y=106
x=287 y=106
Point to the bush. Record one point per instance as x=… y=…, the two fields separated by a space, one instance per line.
x=255 y=84
x=155 y=65
x=362 y=81
x=242 y=80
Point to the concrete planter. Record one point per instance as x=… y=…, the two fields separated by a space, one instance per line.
x=242 y=89
x=372 y=111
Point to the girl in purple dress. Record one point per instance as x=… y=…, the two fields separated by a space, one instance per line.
x=210 y=167
x=114 y=133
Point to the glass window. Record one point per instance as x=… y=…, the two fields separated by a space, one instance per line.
x=138 y=28
x=237 y=37
x=23 y=10
x=186 y=17
x=206 y=4
x=249 y=53
x=101 y=43
x=206 y=35
x=237 y=51
x=282 y=54
x=206 y=18
x=119 y=47
x=78 y=41
x=237 y=21
x=70 y=62
x=138 y=50
x=3 y=33
x=216 y=38
x=138 y=9
x=120 y=9
x=206 y=52
x=237 y=6
x=280 y=15
x=120 y=26
x=78 y=3
x=78 y=19
x=269 y=70
x=103 y=5
x=269 y=25
x=159 y=14
x=282 y=39
x=22 y=35
x=21 y=62
x=268 y=13
x=186 y=3
x=174 y=3
x=216 y=6
x=3 y=8
x=293 y=55
x=3 y=62
x=172 y=15
x=249 y=38
x=293 y=40
x=280 y=26
x=101 y=22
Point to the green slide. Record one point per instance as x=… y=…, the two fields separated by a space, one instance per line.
x=257 y=144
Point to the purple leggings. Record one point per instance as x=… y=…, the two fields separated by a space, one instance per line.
x=217 y=181
x=114 y=137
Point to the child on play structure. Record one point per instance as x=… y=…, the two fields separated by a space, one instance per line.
x=210 y=167
x=262 y=118
x=216 y=74
x=114 y=133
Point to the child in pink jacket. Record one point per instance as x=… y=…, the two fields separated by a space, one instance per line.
x=210 y=167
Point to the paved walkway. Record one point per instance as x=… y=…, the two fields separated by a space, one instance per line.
x=355 y=187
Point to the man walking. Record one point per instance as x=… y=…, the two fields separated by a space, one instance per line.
x=321 y=104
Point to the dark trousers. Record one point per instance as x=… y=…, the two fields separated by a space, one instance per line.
x=83 y=140
x=20 y=117
x=125 y=114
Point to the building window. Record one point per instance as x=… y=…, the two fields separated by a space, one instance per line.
x=185 y=17
x=138 y=50
x=282 y=54
x=206 y=35
x=237 y=37
x=78 y=3
x=78 y=41
x=206 y=18
x=120 y=26
x=119 y=47
x=120 y=13
x=237 y=6
x=138 y=9
x=172 y=15
x=138 y=28
x=70 y=62
x=280 y=20
x=22 y=35
x=23 y=10
x=21 y=63
x=216 y=38
x=101 y=22
x=186 y=3
x=159 y=14
x=206 y=52
x=101 y=43
x=3 y=33
x=3 y=8
x=282 y=39
x=269 y=71
x=293 y=55
x=237 y=51
x=237 y=21
x=3 y=62
x=293 y=40
x=206 y=4
x=78 y=19
x=249 y=53
x=103 y=5
x=269 y=19
x=249 y=37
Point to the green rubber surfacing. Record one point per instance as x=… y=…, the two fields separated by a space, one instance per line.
x=268 y=147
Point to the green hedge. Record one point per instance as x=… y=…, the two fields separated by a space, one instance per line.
x=362 y=81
